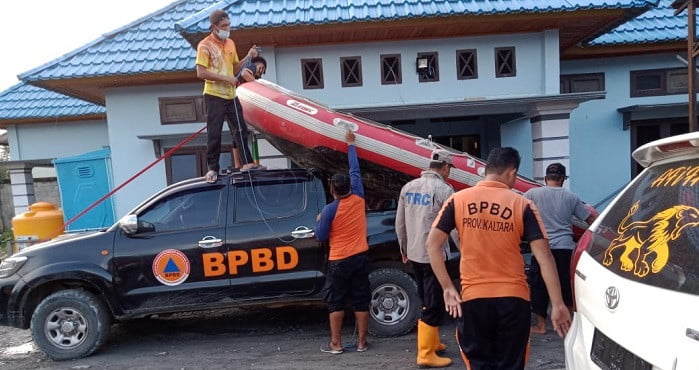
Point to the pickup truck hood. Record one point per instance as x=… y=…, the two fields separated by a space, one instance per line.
x=61 y=239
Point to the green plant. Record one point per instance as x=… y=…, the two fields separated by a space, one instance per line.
x=5 y=243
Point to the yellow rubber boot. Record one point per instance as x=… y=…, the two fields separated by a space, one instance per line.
x=438 y=345
x=426 y=338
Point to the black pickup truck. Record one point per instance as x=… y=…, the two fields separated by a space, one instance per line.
x=247 y=239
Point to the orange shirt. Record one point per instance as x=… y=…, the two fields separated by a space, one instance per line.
x=218 y=57
x=348 y=231
x=491 y=221
x=343 y=222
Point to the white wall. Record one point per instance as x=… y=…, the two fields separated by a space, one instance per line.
x=600 y=150
x=56 y=140
x=518 y=134
x=133 y=112
x=531 y=49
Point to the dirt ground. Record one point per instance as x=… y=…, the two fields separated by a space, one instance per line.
x=249 y=338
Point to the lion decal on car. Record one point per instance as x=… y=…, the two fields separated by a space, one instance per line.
x=649 y=239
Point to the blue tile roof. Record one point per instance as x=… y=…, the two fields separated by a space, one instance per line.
x=272 y=13
x=23 y=101
x=152 y=44
x=147 y=45
x=657 y=25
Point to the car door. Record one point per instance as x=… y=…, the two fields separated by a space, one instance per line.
x=272 y=249
x=160 y=266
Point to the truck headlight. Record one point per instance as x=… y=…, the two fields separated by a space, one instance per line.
x=11 y=265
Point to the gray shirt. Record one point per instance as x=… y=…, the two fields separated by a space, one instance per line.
x=419 y=202
x=557 y=206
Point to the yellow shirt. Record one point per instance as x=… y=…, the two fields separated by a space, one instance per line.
x=218 y=57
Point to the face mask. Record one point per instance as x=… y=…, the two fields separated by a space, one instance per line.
x=223 y=34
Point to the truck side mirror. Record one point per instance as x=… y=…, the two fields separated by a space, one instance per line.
x=129 y=224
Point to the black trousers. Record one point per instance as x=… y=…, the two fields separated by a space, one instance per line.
x=218 y=109
x=539 y=294
x=431 y=294
x=493 y=333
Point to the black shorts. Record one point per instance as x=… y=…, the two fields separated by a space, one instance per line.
x=348 y=278
x=539 y=293
x=493 y=333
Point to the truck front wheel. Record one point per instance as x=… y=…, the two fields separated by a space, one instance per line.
x=395 y=305
x=70 y=324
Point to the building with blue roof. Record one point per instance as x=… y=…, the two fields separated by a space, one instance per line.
x=42 y=121
x=578 y=82
x=24 y=103
x=657 y=25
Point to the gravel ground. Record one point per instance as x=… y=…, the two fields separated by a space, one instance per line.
x=259 y=338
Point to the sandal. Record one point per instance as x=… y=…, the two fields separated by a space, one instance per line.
x=363 y=349
x=211 y=176
x=330 y=350
x=252 y=166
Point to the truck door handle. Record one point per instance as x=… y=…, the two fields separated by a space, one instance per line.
x=302 y=232
x=691 y=333
x=210 y=242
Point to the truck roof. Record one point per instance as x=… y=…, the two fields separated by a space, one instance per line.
x=258 y=175
x=278 y=174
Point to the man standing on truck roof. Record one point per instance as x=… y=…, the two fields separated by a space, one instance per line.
x=557 y=206
x=418 y=204
x=493 y=307
x=343 y=223
x=217 y=64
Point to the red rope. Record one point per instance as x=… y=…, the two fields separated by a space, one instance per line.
x=93 y=205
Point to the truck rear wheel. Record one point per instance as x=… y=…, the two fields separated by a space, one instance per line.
x=70 y=324
x=395 y=305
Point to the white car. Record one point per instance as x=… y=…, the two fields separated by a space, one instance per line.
x=635 y=271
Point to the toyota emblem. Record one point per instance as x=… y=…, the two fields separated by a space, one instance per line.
x=611 y=297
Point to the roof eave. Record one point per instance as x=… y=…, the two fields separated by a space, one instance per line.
x=626 y=49
x=92 y=89
x=5 y=123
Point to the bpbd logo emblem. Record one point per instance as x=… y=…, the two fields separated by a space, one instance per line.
x=171 y=267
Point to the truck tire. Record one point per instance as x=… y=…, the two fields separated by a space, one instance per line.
x=395 y=305
x=70 y=324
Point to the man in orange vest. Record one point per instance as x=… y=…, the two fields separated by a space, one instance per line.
x=343 y=223
x=493 y=307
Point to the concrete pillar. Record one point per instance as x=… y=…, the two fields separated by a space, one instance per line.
x=22 y=189
x=552 y=63
x=550 y=137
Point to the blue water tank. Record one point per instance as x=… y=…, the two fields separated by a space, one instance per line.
x=82 y=180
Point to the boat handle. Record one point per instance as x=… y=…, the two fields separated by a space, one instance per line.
x=347 y=125
x=302 y=232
